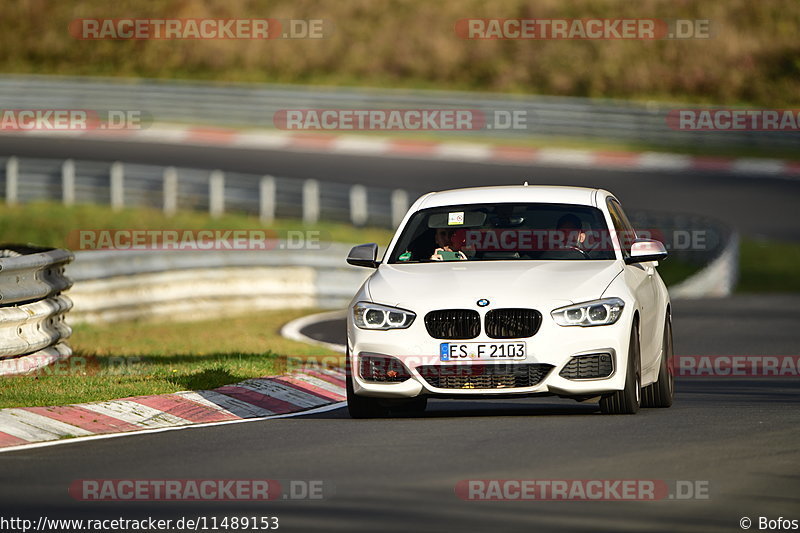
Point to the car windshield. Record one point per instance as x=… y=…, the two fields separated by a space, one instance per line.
x=505 y=232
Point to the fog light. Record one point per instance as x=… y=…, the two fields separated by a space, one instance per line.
x=382 y=369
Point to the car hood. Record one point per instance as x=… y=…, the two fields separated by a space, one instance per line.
x=504 y=283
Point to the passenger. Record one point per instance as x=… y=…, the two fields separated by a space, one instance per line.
x=448 y=241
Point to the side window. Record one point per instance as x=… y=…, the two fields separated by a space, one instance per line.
x=622 y=226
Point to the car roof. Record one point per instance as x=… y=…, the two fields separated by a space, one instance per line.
x=549 y=194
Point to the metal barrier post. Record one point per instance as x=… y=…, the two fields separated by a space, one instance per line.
x=266 y=200
x=117 y=186
x=216 y=193
x=310 y=202
x=68 y=182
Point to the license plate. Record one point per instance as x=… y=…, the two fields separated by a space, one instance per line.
x=481 y=351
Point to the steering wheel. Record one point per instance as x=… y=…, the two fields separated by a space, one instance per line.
x=579 y=250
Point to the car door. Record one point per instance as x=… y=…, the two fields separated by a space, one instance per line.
x=641 y=277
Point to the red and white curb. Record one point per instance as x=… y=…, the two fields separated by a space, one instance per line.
x=298 y=392
x=425 y=149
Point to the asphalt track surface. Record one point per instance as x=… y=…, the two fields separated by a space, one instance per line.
x=739 y=435
x=758 y=206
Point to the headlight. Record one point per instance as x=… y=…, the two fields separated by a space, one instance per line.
x=596 y=313
x=374 y=316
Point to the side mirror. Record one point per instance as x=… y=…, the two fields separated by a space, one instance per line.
x=364 y=255
x=645 y=250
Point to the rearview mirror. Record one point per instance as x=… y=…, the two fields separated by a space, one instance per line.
x=364 y=255
x=644 y=250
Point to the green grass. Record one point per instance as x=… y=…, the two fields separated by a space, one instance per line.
x=766 y=266
x=142 y=358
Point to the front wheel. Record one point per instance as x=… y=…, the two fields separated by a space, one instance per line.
x=662 y=392
x=627 y=400
x=360 y=406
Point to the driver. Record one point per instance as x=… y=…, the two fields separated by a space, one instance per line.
x=569 y=233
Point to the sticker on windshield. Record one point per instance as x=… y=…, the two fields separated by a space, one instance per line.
x=455 y=219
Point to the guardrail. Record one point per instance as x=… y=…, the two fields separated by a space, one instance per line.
x=255 y=105
x=169 y=189
x=123 y=285
x=32 y=309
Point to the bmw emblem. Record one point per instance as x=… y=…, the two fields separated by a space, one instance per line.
x=483 y=302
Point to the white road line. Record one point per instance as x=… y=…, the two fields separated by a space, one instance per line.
x=353 y=144
x=559 y=157
x=135 y=413
x=260 y=139
x=470 y=151
x=33 y=445
x=660 y=161
x=167 y=135
x=292 y=330
x=32 y=426
x=759 y=166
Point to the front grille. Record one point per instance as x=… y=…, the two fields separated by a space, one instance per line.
x=453 y=324
x=593 y=366
x=382 y=369
x=512 y=323
x=504 y=376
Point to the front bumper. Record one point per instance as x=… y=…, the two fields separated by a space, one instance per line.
x=551 y=345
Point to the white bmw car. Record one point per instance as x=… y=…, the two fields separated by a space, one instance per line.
x=510 y=292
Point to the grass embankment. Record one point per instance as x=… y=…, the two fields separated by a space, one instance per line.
x=751 y=58
x=139 y=358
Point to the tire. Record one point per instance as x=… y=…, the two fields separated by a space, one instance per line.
x=360 y=406
x=661 y=393
x=627 y=400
